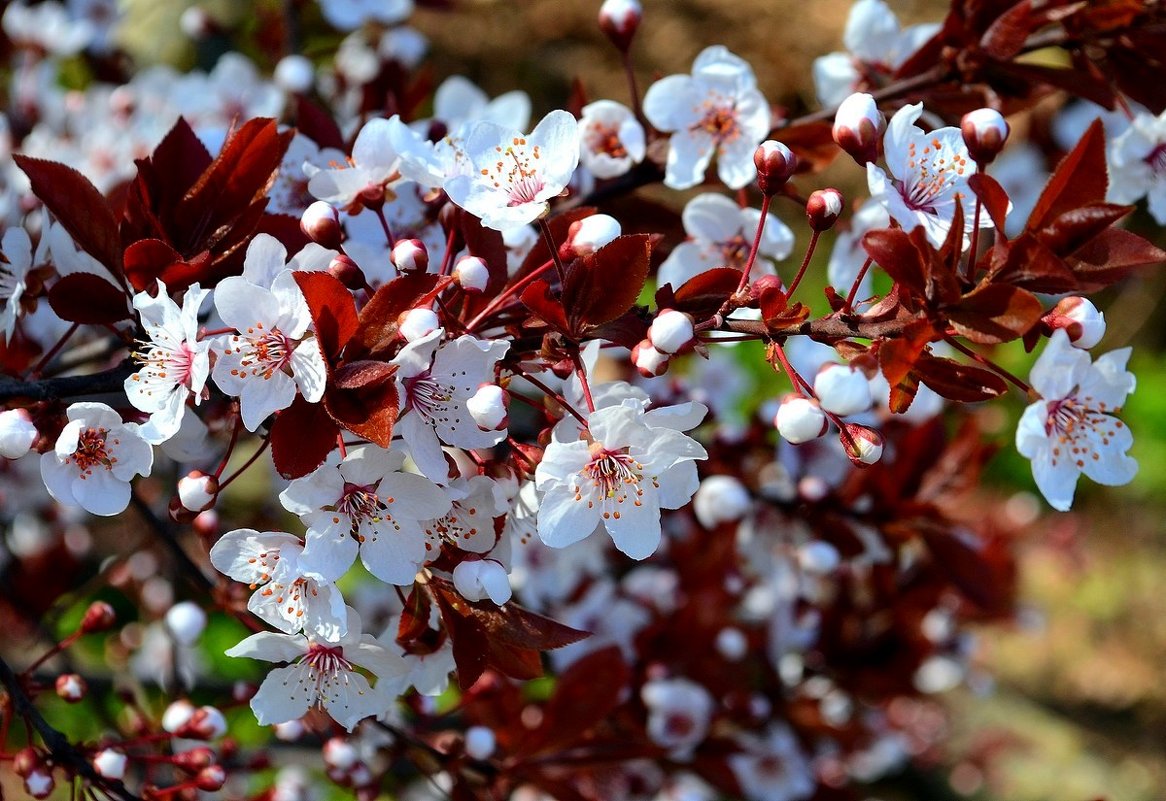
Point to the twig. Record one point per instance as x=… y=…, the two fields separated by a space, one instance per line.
x=112 y=380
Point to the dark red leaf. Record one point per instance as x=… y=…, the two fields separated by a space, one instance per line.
x=983 y=571
x=893 y=250
x=486 y=244
x=362 y=397
x=1075 y=227
x=332 y=308
x=1006 y=36
x=85 y=298
x=376 y=330
x=1080 y=179
x=1111 y=256
x=302 y=436
x=147 y=259
x=957 y=381
x=897 y=356
x=603 y=285
x=317 y=124
x=703 y=294
x=995 y=313
x=627 y=330
x=1025 y=262
x=538 y=298
x=586 y=693
x=993 y=197
x=415 y=616
x=812 y=143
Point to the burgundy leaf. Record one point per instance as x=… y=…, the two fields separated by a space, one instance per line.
x=302 y=436
x=538 y=298
x=1080 y=179
x=993 y=197
x=88 y=299
x=893 y=250
x=1075 y=227
x=376 y=329
x=995 y=313
x=332 y=308
x=362 y=397
x=957 y=381
x=1111 y=256
x=703 y=294
x=603 y=285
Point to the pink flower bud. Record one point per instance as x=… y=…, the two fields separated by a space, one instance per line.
x=480 y=742
x=471 y=273
x=776 y=164
x=649 y=361
x=863 y=445
x=194 y=759
x=177 y=715
x=1081 y=320
x=39 y=783
x=339 y=754
x=720 y=499
x=842 y=390
x=211 y=778
x=671 y=332
x=197 y=491
x=206 y=524
x=294 y=74
x=110 y=764
x=26 y=761
x=985 y=133
x=489 y=407
x=476 y=579
x=347 y=272
x=205 y=723
x=823 y=209
x=321 y=223
x=410 y=256
x=799 y=420
x=186 y=621
x=418 y=322
x=619 y=19
x=17 y=433
x=71 y=687
x=98 y=617
x=859 y=126
x=591 y=233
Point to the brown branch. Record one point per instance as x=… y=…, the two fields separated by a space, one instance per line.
x=71 y=386
x=824 y=329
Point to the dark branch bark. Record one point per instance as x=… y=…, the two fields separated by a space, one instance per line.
x=825 y=329
x=70 y=386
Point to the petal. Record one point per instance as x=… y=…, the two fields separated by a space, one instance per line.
x=671 y=103
x=1056 y=480
x=101 y=493
x=712 y=218
x=309 y=369
x=413 y=497
x=243 y=554
x=329 y=547
x=241 y=304
x=262 y=396
x=271 y=647
x=563 y=520
x=689 y=154
x=286 y=694
x=393 y=554
x=636 y=531
x=266 y=258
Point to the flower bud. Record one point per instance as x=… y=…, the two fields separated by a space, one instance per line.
x=177 y=715
x=488 y=407
x=206 y=524
x=347 y=272
x=205 y=723
x=799 y=420
x=471 y=273
x=859 y=126
x=110 y=764
x=649 y=361
x=588 y=235
x=39 y=783
x=26 y=761
x=863 y=445
x=823 y=209
x=480 y=742
x=211 y=778
x=71 y=687
x=294 y=74
x=197 y=491
x=1081 y=320
x=186 y=621
x=417 y=323
x=720 y=499
x=818 y=557
x=671 y=331
x=194 y=759
x=619 y=19
x=410 y=256
x=339 y=754
x=98 y=617
x=17 y=433
x=985 y=133
x=732 y=644
x=842 y=390
x=476 y=579
x=320 y=222
x=775 y=164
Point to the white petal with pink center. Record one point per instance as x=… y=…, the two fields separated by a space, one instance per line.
x=469 y=523
x=1137 y=164
x=374 y=165
x=611 y=140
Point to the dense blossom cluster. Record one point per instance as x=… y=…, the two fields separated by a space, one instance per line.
x=445 y=363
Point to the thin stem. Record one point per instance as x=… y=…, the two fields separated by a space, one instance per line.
x=550 y=393
x=53 y=651
x=53 y=351
x=800 y=385
x=230 y=445
x=258 y=452
x=991 y=365
x=214 y=332
x=340 y=444
x=545 y=227
x=380 y=212
x=765 y=201
x=447 y=259
x=581 y=372
x=633 y=89
x=805 y=263
x=850 y=296
x=511 y=290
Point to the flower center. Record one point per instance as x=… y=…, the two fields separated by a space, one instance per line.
x=719 y=120
x=605 y=139
x=614 y=477
x=735 y=251
x=93 y=451
x=933 y=172
x=515 y=172
x=1157 y=159
x=169 y=366
x=456 y=526
x=426 y=396
x=294 y=595
x=262 y=353
x=1071 y=420
x=264 y=562
x=328 y=664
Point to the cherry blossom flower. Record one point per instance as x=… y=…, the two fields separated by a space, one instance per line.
x=289 y=193
x=1137 y=164
x=929 y=175
x=773 y=768
x=94 y=460
x=322 y=674
x=427 y=672
x=620 y=475
x=721 y=234
x=287 y=594
x=436 y=381
x=16 y=259
x=514 y=175
x=48 y=27
x=477 y=579
x=269 y=358
x=679 y=711
x=468 y=525
x=611 y=139
x=1071 y=429
x=374 y=166
x=365 y=502
x=458 y=102
x=175 y=364
x=717 y=110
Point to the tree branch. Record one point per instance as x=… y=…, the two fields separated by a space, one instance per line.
x=70 y=386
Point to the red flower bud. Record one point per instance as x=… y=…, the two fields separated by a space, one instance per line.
x=775 y=164
x=321 y=223
x=863 y=445
x=98 y=617
x=71 y=687
x=619 y=20
x=211 y=778
x=347 y=272
x=859 y=126
x=823 y=209
x=985 y=133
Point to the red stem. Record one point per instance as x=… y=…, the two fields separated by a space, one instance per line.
x=517 y=286
x=857 y=280
x=224 y=484
x=230 y=445
x=805 y=263
x=53 y=351
x=765 y=201
x=991 y=365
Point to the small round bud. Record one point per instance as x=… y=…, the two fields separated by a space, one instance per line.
x=186 y=621
x=177 y=715
x=339 y=754
x=859 y=126
x=480 y=742
x=320 y=222
x=823 y=209
x=842 y=390
x=649 y=361
x=476 y=579
x=471 y=273
x=98 y=617
x=206 y=524
x=800 y=420
x=588 y=235
x=671 y=332
x=720 y=499
x=619 y=19
x=863 y=445
x=489 y=407
x=985 y=133
x=39 y=783
x=194 y=759
x=206 y=723
x=71 y=687
x=26 y=761
x=197 y=491
x=211 y=778
x=1081 y=320
x=196 y=23
x=776 y=164
x=417 y=323
x=295 y=74
x=410 y=256
x=110 y=764
x=732 y=644
x=347 y=272
x=17 y=433
x=818 y=557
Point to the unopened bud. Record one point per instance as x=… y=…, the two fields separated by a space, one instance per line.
x=1081 y=320
x=339 y=754
x=206 y=524
x=186 y=621
x=320 y=222
x=588 y=235
x=410 y=256
x=863 y=445
x=294 y=74
x=211 y=778
x=205 y=723
x=177 y=715
x=842 y=390
x=193 y=760
x=488 y=407
x=471 y=273
x=480 y=742
x=619 y=19
x=476 y=579
x=720 y=499
x=98 y=617
x=649 y=361
x=71 y=687
x=39 y=783
x=110 y=764
x=859 y=126
x=347 y=272
x=800 y=420
x=775 y=164
x=671 y=332
x=17 y=433
x=985 y=133
x=416 y=323
x=26 y=761
x=823 y=209
x=197 y=491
